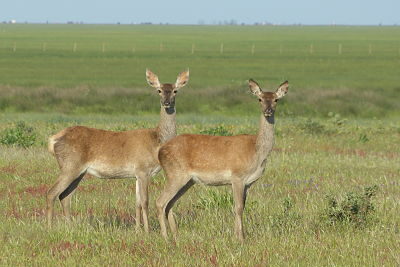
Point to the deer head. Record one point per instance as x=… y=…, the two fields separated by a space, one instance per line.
x=167 y=91
x=268 y=100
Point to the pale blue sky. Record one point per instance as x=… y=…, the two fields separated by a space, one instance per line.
x=360 y=12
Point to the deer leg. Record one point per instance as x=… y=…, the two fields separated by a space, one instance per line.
x=63 y=182
x=143 y=199
x=138 y=206
x=169 y=212
x=165 y=202
x=172 y=223
x=239 y=197
x=66 y=195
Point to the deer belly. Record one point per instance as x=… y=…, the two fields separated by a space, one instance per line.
x=219 y=178
x=255 y=175
x=108 y=171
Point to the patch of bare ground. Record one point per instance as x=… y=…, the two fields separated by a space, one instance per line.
x=37 y=191
x=139 y=248
x=9 y=169
x=196 y=250
x=120 y=217
x=88 y=188
x=20 y=213
x=64 y=249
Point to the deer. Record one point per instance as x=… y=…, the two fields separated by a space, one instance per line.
x=81 y=150
x=238 y=161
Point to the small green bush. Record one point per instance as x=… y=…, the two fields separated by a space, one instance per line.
x=313 y=127
x=336 y=119
x=219 y=130
x=19 y=135
x=287 y=219
x=355 y=208
x=214 y=199
x=363 y=138
x=120 y=128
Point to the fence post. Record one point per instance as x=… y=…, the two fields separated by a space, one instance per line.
x=340 y=49
x=15 y=47
x=44 y=47
x=280 y=49
x=311 y=48
x=161 y=47
x=74 y=47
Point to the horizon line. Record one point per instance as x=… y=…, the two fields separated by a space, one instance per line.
x=13 y=22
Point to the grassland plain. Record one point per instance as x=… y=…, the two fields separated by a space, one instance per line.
x=337 y=132
x=348 y=70
x=312 y=159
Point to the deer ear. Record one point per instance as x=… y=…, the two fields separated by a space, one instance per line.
x=182 y=79
x=152 y=79
x=282 y=90
x=254 y=87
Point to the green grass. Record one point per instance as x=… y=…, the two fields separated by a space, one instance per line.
x=337 y=132
x=353 y=83
x=282 y=218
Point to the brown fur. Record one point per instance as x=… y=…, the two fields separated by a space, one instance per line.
x=218 y=160
x=221 y=152
x=108 y=154
x=92 y=143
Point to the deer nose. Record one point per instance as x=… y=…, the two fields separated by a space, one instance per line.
x=268 y=112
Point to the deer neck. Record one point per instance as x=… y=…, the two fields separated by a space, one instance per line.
x=265 y=139
x=167 y=126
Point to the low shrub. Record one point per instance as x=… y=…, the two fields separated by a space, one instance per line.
x=214 y=199
x=355 y=207
x=313 y=127
x=336 y=119
x=287 y=219
x=19 y=134
x=219 y=130
x=363 y=138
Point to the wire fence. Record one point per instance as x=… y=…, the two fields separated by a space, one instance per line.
x=222 y=48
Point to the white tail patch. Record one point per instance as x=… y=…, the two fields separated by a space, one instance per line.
x=51 y=144
x=54 y=139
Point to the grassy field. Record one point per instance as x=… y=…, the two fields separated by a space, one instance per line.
x=359 y=79
x=286 y=216
x=337 y=133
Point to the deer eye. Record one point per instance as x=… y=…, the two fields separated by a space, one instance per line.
x=159 y=91
x=175 y=91
x=259 y=100
x=276 y=100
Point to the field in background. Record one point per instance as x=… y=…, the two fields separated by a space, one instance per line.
x=337 y=132
x=100 y=68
